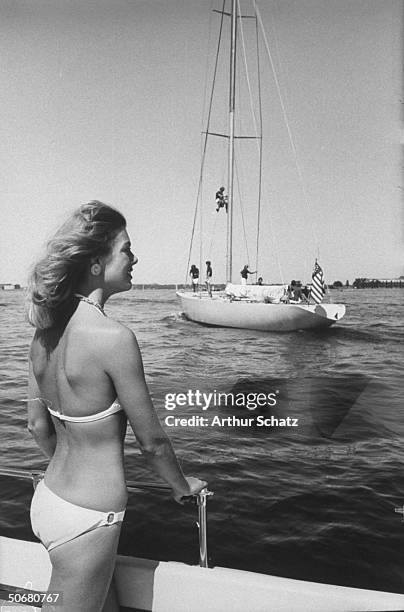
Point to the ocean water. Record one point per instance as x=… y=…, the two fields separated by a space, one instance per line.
x=317 y=501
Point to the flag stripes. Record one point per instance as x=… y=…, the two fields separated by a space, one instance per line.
x=317 y=287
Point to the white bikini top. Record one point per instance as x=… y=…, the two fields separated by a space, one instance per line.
x=114 y=407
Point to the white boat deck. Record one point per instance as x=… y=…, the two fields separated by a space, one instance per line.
x=175 y=587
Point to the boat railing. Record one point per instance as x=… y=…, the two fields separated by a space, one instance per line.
x=133 y=485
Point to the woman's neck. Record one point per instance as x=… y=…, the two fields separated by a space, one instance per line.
x=88 y=300
x=95 y=294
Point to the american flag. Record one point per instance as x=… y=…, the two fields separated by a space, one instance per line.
x=317 y=287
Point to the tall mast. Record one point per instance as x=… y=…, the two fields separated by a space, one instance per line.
x=232 y=97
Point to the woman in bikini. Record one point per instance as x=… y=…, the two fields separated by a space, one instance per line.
x=86 y=381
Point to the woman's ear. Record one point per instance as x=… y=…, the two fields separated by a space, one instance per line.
x=95 y=267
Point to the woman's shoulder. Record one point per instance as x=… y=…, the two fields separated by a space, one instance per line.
x=117 y=347
x=101 y=336
x=116 y=336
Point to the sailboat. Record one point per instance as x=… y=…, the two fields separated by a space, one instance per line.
x=259 y=307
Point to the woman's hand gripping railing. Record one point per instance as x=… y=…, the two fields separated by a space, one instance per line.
x=200 y=499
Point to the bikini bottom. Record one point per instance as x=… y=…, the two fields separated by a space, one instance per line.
x=56 y=521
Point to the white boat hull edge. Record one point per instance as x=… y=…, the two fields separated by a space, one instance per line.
x=175 y=587
x=220 y=311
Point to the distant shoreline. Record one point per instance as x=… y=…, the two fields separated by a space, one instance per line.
x=359 y=283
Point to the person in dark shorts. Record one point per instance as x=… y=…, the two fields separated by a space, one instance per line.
x=209 y=275
x=194 y=273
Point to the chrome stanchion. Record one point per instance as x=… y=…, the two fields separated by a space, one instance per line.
x=202 y=526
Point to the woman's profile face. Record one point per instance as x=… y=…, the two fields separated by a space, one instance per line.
x=118 y=264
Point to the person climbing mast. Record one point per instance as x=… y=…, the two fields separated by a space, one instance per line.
x=221 y=199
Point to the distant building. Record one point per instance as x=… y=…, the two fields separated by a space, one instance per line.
x=375 y=283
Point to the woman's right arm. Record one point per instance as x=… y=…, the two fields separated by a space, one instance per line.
x=39 y=423
x=125 y=368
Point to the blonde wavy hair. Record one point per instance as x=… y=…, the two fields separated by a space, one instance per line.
x=54 y=278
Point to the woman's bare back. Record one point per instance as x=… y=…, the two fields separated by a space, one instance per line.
x=87 y=467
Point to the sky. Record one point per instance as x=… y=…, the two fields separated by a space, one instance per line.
x=105 y=99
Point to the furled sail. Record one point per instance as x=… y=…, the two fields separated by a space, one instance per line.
x=272 y=294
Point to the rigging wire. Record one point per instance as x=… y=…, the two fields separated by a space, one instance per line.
x=199 y=190
x=241 y=209
x=223 y=157
x=239 y=166
x=279 y=62
x=260 y=149
x=248 y=78
x=275 y=245
x=212 y=237
x=273 y=240
x=258 y=135
x=205 y=97
x=286 y=120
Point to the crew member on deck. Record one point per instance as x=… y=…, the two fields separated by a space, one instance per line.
x=221 y=199
x=244 y=274
x=306 y=293
x=209 y=274
x=194 y=273
x=296 y=293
